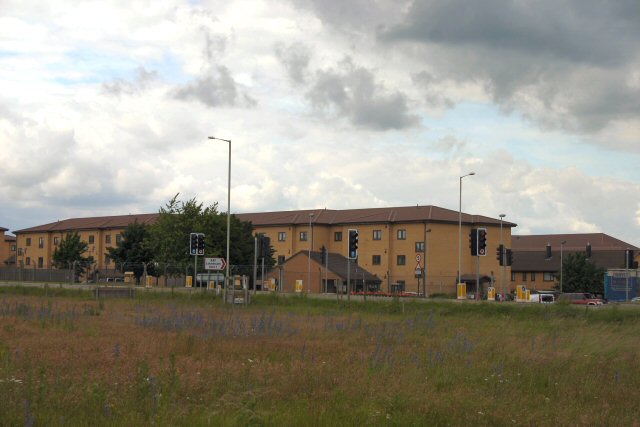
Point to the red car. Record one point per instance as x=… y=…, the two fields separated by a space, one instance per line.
x=581 y=298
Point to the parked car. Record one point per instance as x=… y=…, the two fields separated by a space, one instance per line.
x=580 y=298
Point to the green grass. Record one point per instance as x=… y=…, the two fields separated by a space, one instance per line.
x=190 y=360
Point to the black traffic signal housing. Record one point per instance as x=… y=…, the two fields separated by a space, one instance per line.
x=482 y=241
x=323 y=255
x=193 y=243
x=500 y=254
x=509 y=256
x=353 y=244
x=548 y=251
x=265 y=246
x=200 y=244
x=588 y=250
x=473 y=241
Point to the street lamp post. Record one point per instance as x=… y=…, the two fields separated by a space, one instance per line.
x=224 y=295
x=561 y=266
x=460 y=228
x=310 y=237
x=502 y=253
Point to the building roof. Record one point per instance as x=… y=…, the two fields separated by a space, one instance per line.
x=529 y=252
x=91 y=223
x=338 y=265
x=2 y=229
x=367 y=216
x=574 y=242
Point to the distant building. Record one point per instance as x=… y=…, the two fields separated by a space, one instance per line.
x=7 y=248
x=535 y=271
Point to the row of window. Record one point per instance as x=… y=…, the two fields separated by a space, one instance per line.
x=337 y=236
x=546 y=276
x=56 y=240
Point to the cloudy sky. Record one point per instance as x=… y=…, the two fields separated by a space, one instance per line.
x=105 y=108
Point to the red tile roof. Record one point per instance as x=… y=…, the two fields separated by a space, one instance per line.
x=91 y=223
x=365 y=216
x=574 y=242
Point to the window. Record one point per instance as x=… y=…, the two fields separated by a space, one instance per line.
x=513 y=276
x=337 y=236
x=419 y=246
x=107 y=239
x=398 y=287
x=19 y=251
x=548 y=277
x=56 y=241
x=375 y=260
x=41 y=242
x=28 y=261
x=282 y=236
x=280 y=259
x=401 y=260
x=28 y=241
x=13 y=248
x=40 y=262
x=377 y=234
x=92 y=239
x=402 y=234
x=533 y=276
x=118 y=239
x=524 y=276
x=303 y=236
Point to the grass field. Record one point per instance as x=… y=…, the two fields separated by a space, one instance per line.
x=67 y=359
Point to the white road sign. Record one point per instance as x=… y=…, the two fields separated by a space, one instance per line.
x=214 y=263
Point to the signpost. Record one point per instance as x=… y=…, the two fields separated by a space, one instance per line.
x=215 y=263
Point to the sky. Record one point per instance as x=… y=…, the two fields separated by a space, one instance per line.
x=106 y=108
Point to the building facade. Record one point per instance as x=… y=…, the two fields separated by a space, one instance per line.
x=399 y=245
x=36 y=245
x=533 y=269
x=7 y=248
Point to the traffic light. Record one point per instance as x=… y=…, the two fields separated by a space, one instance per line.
x=323 y=255
x=353 y=244
x=548 y=249
x=200 y=244
x=629 y=258
x=193 y=245
x=482 y=241
x=265 y=246
x=473 y=241
x=499 y=254
x=588 y=250
x=509 y=256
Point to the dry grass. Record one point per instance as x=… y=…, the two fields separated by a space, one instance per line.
x=75 y=361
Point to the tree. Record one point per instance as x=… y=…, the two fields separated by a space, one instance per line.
x=133 y=250
x=580 y=275
x=169 y=235
x=69 y=253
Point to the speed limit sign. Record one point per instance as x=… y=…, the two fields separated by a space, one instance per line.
x=418 y=258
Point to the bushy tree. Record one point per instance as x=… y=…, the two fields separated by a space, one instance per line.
x=581 y=275
x=69 y=253
x=133 y=250
x=169 y=235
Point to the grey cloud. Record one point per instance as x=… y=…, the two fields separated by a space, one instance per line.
x=432 y=95
x=295 y=58
x=215 y=89
x=142 y=81
x=352 y=92
x=561 y=64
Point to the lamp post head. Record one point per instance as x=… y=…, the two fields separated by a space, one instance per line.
x=502 y=216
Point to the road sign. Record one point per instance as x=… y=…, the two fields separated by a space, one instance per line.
x=418 y=257
x=214 y=263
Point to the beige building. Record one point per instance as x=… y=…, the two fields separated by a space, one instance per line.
x=394 y=244
x=35 y=245
x=398 y=246
x=7 y=248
